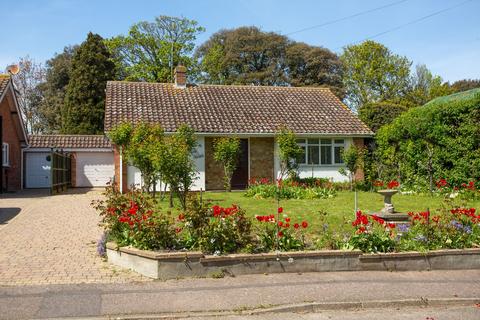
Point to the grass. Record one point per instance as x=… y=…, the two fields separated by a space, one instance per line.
x=337 y=209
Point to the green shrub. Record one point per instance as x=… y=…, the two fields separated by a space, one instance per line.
x=290 y=189
x=215 y=229
x=438 y=140
x=280 y=233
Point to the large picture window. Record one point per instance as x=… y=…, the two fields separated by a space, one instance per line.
x=321 y=151
x=5 y=155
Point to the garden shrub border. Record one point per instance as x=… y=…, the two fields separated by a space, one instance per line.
x=173 y=265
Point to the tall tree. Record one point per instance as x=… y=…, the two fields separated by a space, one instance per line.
x=423 y=87
x=314 y=66
x=26 y=82
x=248 y=55
x=53 y=90
x=84 y=107
x=466 y=84
x=245 y=55
x=372 y=73
x=151 y=50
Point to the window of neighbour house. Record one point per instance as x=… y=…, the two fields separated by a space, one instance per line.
x=5 y=154
x=321 y=151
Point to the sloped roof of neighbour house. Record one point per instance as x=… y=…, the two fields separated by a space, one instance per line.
x=231 y=109
x=69 y=141
x=4 y=80
x=5 y=84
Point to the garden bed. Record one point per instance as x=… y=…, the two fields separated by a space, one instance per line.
x=171 y=265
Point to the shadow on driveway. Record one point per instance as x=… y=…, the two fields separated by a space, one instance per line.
x=41 y=193
x=7 y=214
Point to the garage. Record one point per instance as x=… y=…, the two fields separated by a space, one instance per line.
x=37 y=173
x=92 y=160
x=94 y=169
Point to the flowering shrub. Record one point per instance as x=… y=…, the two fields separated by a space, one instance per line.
x=454 y=229
x=289 y=189
x=129 y=219
x=214 y=229
x=290 y=235
x=466 y=191
x=372 y=234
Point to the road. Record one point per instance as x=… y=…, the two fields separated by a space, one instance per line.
x=309 y=292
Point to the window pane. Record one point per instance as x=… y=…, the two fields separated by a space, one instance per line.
x=313 y=155
x=339 y=141
x=301 y=158
x=312 y=141
x=300 y=140
x=326 y=155
x=326 y=141
x=338 y=154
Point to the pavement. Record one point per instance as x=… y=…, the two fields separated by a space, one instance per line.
x=52 y=240
x=248 y=296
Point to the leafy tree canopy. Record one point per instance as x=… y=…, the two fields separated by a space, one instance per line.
x=466 y=84
x=53 y=90
x=151 y=50
x=372 y=73
x=248 y=55
x=84 y=107
x=226 y=150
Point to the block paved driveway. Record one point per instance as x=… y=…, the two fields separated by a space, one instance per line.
x=52 y=240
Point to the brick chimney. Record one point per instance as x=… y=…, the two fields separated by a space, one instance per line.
x=180 y=77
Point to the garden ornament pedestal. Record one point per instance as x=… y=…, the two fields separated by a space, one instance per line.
x=388 y=212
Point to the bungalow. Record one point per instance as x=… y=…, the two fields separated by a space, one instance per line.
x=323 y=124
x=13 y=137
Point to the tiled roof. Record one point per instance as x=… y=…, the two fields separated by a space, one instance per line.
x=69 y=141
x=231 y=109
x=4 y=80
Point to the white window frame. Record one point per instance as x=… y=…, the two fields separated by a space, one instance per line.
x=305 y=144
x=5 y=154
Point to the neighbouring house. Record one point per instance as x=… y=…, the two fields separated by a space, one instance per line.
x=91 y=164
x=13 y=137
x=323 y=124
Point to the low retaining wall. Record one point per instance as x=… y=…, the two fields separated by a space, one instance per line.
x=166 y=265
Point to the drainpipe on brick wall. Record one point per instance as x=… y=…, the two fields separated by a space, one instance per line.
x=121 y=170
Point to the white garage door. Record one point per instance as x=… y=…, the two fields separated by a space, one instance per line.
x=94 y=169
x=37 y=170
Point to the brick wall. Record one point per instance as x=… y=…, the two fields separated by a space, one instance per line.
x=116 y=160
x=261 y=158
x=359 y=175
x=12 y=174
x=213 y=170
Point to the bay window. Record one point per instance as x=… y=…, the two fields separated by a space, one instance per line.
x=321 y=151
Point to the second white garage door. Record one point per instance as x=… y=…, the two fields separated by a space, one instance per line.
x=94 y=169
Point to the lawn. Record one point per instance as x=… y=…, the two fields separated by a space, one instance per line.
x=337 y=208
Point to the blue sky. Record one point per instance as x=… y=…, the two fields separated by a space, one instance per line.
x=448 y=43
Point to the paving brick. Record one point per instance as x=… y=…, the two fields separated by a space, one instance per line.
x=53 y=241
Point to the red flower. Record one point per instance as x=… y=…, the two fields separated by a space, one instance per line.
x=391 y=225
x=287 y=219
x=296 y=226
x=181 y=217
x=304 y=224
x=280 y=223
x=362 y=229
x=287 y=225
x=280 y=234
x=178 y=230
x=378 y=183
x=280 y=210
x=393 y=184
x=441 y=183
x=436 y=219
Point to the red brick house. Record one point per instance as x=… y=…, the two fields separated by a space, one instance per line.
x=13 y=137
x=323 y=124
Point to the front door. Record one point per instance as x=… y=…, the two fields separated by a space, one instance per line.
x=240 y=175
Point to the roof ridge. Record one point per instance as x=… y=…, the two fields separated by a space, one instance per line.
x=224 y=85
x=67 y=135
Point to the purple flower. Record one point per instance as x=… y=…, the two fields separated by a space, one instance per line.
x=101 y=245
x=457 y=225
x=403 y=227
